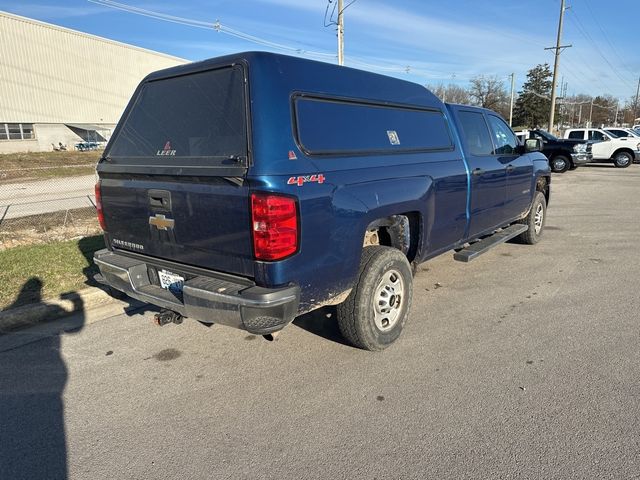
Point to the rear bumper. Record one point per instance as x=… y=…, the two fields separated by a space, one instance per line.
x=219 y=298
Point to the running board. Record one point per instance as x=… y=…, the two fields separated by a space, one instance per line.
x=478 y=248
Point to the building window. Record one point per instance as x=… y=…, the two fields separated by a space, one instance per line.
x=16 y=131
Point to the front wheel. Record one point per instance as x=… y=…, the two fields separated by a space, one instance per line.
x=534 y=220
x=375 y=312
x=622 y=159
x=560 y=164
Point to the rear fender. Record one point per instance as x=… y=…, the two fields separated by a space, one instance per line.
x=359 y=206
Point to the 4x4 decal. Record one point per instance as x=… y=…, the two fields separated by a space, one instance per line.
x=301 y=180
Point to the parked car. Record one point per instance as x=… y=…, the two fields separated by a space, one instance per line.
x=563 y=154
x=622 y=132
x=621 y=151
x=249 y=189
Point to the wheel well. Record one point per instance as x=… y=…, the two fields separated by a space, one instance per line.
x=542 y=185
x=620 y=150
x=401 y=231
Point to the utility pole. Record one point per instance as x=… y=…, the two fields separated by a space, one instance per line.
x=590 y=113
x=340 y=32
x=513 y=87
x=558 y=48
x=635 y=104
x=615 y=121
x=580 y=115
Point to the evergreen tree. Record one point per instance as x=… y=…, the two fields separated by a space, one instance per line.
x=534 y=101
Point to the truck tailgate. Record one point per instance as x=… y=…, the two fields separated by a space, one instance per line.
x=172 y=178
x=205 y=223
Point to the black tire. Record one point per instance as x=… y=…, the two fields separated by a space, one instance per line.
x=622 y=159
x=559 y=164
x=532 y=235
x=384 y=274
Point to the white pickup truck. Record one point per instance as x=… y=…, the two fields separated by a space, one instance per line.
x=621 y=151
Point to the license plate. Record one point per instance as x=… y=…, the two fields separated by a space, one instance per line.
x=170 y=281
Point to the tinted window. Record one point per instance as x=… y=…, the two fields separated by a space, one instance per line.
x=332 y=126
x=537 y=136
x=576 y=134
x=195 y=115
x=476 y=133
x=618 y=133
x=503 y=138
x=595 y=135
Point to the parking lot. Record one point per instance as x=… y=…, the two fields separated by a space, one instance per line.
x=522 y=364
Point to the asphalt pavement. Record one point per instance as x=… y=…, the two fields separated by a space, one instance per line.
x=521 y=364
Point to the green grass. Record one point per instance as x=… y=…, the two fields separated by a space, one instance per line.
x=31 y=273
x=16 y=167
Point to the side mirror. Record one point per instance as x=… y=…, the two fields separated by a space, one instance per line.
x=532 y=145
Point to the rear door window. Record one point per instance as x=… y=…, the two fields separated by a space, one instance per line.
x=332 y=126
x=477 y=138
x=198 y=115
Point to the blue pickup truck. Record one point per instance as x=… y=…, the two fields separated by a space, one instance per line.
x=250 y=189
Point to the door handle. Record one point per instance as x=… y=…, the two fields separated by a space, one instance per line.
x=477 y=171
x=160 y=199
x=510 y=168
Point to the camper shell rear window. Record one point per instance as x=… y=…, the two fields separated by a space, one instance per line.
x=329 y=126
x=194 y=118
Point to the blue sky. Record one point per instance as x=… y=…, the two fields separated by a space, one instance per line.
x=440 y=41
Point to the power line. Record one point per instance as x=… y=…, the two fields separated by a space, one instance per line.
x=583 y=31
x=606 y=37
x=221 y=28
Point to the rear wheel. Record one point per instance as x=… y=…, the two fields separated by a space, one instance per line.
x=622 y=159
x=534 y=220
x=375 y=312
x=560 y=164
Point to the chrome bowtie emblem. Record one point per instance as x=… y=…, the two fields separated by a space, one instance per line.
x=161 y=222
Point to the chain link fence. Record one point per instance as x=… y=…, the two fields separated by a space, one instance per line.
x=46 y=197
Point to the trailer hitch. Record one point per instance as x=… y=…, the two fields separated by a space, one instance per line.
x=167 y=316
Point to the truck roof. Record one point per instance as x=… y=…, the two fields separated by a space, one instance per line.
x=301 y=74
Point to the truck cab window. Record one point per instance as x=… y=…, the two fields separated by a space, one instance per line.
x=477 y=137
x=503 y=138
x=596 y=135
x=576 y=134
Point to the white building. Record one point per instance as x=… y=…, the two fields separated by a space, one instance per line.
x=63 y=86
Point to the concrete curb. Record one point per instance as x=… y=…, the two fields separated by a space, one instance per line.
x=94 y=303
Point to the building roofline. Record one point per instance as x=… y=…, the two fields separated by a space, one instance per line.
x=70 y=31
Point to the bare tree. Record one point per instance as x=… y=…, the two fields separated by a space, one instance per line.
x=489 y=92
x=450 y=93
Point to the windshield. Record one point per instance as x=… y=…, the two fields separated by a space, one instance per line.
x=190 y=116
x=546 y=135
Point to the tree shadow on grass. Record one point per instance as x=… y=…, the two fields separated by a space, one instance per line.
x=32 y=380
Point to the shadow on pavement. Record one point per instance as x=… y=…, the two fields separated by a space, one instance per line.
x=599 y=165
x=32 y=381
x=322 y=322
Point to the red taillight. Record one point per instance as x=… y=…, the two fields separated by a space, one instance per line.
x=99 y=206
x=274 y=226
